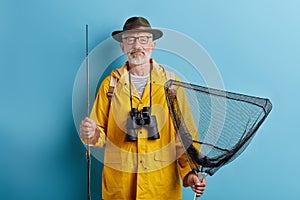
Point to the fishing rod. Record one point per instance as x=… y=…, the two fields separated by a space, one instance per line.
x=88 y=152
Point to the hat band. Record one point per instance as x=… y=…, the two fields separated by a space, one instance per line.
x=136 y=27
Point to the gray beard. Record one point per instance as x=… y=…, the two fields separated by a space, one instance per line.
x=138 y=60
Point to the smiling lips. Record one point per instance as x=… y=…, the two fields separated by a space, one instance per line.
x=137 y=52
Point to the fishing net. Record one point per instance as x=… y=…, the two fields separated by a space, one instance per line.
x=214 y=126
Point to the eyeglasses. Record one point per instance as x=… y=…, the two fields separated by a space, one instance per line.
x=142 y=39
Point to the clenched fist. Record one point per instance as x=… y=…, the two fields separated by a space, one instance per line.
x=87 y=128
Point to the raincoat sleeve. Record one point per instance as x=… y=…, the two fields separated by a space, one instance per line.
x=182 y=161
x=183 y=104
x=99 y=114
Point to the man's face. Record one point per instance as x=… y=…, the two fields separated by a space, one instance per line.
x=137 y=47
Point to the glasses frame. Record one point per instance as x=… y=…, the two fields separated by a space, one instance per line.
x=147 y=37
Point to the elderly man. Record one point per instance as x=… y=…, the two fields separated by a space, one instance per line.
x=130 y=118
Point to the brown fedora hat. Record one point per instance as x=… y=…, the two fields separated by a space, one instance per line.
x=137 y=24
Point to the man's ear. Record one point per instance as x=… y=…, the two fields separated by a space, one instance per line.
x=122 y=47
x=153 y=45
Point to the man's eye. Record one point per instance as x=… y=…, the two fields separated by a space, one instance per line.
x=130 y=39
x=143 y=39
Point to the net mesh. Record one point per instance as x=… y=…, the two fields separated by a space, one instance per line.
x=214 y=126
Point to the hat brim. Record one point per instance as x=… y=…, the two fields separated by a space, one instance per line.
x=117 y=35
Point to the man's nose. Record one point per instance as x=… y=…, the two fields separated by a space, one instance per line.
x=136 y=43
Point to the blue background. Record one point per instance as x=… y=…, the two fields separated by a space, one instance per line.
x=255 y=45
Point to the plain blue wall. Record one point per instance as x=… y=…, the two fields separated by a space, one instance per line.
x=255 y=45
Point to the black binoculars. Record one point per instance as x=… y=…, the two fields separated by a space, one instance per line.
x=138 y=119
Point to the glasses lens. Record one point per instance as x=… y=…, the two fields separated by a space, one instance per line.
x=143 y=39
x=130 y=40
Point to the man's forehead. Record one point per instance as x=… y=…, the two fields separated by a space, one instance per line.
x=127 y=34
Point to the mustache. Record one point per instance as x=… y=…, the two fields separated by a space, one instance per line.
x=132 y=51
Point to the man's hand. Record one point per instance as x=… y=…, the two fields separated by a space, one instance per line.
x=192 y=180
x=87 y=128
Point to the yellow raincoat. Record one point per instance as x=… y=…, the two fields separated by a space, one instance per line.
x=145 y=169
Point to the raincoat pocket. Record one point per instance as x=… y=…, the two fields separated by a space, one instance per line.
x=112 y=172
x=165 y=171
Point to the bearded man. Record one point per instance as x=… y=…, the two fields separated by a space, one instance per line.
x=130 y=118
